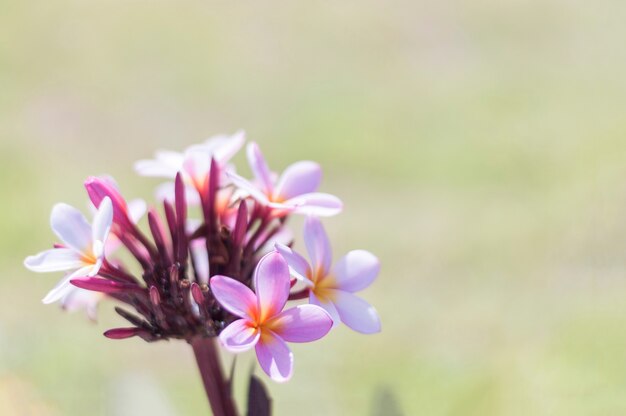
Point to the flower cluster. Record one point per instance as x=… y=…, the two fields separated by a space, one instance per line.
x=218 y=261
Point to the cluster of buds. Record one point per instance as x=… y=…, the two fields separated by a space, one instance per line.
x=218 y=261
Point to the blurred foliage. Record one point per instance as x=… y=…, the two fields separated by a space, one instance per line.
x=479 y=147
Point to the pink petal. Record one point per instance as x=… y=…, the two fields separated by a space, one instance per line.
x=229 y=146
x=318 y=204
x=318 y=246
x=239 y=336
x=259 y=167
x=234 y=296
x=248 y=187
x=328 y=306
x=298 y=266
x=356 y=313
x=298 y=179
x=303 y=323
x=271 y=282
x=54 y=260
x=71 y=226
x=100 y=188
x=274 y=357
x=356 y=270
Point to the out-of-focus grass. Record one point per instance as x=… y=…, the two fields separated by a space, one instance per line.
x=479 y=147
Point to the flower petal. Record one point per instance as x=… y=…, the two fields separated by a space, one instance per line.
x=328 y=306
x=275 y=357
x=200 y=259
x=228 y=146
x=303 y=323
x=76 y=299
x=299 y=178
x=63 y=287
x=136 y=209
x=271 y=282
x=259 y=167
x=356 y=313
x=166 y=164
x=318 y=204
x=318 y=246
x=248 y=187
x=234 y=296
x=165 y=192
x=71 y=226
x=54 y=260
x=356 y=270
x=102 y=224
x=239 y=336
x=298 y=266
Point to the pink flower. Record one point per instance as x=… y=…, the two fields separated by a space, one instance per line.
x=82 y=252
x=263 y=324
x=333 y=288
x=294 y=191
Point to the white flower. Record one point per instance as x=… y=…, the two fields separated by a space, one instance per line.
x=82 y=252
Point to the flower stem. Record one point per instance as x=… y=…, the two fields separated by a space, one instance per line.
x=215 y=384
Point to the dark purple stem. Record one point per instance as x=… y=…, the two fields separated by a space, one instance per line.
x=215 y=384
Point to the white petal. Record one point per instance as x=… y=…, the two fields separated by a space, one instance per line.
x=136 y=209
x=102 y=224
x=54 y=260
x=64 y=286
x=71 y=226
x=166 y=165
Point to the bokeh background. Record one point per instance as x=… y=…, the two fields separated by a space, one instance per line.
x=479 y=146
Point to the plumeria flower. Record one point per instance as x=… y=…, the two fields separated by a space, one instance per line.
x=293 y=191
x=263 y=324
x=82 y=252
x=333 y=288
x=76 y=298
x=194 y=163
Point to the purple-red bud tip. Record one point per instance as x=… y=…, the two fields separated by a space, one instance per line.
x=196 y=293
x=102 y=285
x=121 y=333
x=155 y=297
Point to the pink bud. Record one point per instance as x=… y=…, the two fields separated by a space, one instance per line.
x=122 y=333
x=155 y=298
x=103 y=285
x=99 y=188
x=197 y=294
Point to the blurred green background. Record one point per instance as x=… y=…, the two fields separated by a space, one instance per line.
x=479 y=146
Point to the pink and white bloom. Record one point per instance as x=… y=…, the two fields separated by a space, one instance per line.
x=82 y=251
x=263 y=324
x=194 y=163
x=333 y=287
x=293 y=191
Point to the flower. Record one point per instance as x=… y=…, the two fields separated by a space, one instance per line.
x=194 y=164
x=294 y=191
x=263 y=324
x=82 y=252
x=333 y=288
